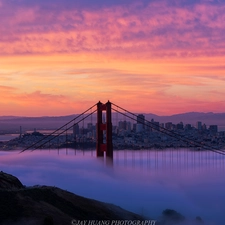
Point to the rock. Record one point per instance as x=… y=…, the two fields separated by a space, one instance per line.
x=199 y=220
x=171 y=217
x=9 y=182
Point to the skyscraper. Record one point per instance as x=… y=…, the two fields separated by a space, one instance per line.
x=75 y=130
x=141 y=120
x=199 y=125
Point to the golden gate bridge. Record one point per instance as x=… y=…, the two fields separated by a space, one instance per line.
x=104 y=136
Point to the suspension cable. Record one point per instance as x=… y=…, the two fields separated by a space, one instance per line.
x=59 y=129
x=168 y=132
x=64 y=131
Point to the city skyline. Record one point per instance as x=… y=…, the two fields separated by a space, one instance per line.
x=161 y=57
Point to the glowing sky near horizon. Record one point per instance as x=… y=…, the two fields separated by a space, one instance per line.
x=60 y=57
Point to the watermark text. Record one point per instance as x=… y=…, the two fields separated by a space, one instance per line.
x=113 y=222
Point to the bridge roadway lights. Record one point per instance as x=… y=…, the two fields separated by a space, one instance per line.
x=102 y=147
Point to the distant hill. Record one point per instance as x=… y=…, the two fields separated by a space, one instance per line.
x=29 y=123
x=8 y=117
x=191 y=117
x=13 y=123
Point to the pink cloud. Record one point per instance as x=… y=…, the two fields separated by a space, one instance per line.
x=35 y=103
x=7 y=88
x=157 y=29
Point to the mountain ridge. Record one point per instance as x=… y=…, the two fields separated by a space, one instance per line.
x=149 y=114
x=13 y=123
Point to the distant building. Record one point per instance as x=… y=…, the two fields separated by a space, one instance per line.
x=141 y=120
x=188 y=127
x=128 y=126
x=169 y=126
x=90 y=126
x=148 y=126
x=180 y=126
x=76 y=130
x=122 y=125
x=139 y=128
x=204 y=127
x=134 y=127
x=199 y=125
x=213 y=129
x=155 y=125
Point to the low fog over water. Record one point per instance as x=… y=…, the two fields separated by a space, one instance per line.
x=145 y=182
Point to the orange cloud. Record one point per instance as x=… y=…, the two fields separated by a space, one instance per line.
x=69 y=83
x=6 y=89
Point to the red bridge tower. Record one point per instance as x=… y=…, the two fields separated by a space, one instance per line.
x=102 y=147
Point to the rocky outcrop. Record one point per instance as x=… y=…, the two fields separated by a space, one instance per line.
x=50 y=205
x=9 y=182
x=172 y=217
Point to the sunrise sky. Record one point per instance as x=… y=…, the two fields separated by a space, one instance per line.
x=59 y=57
